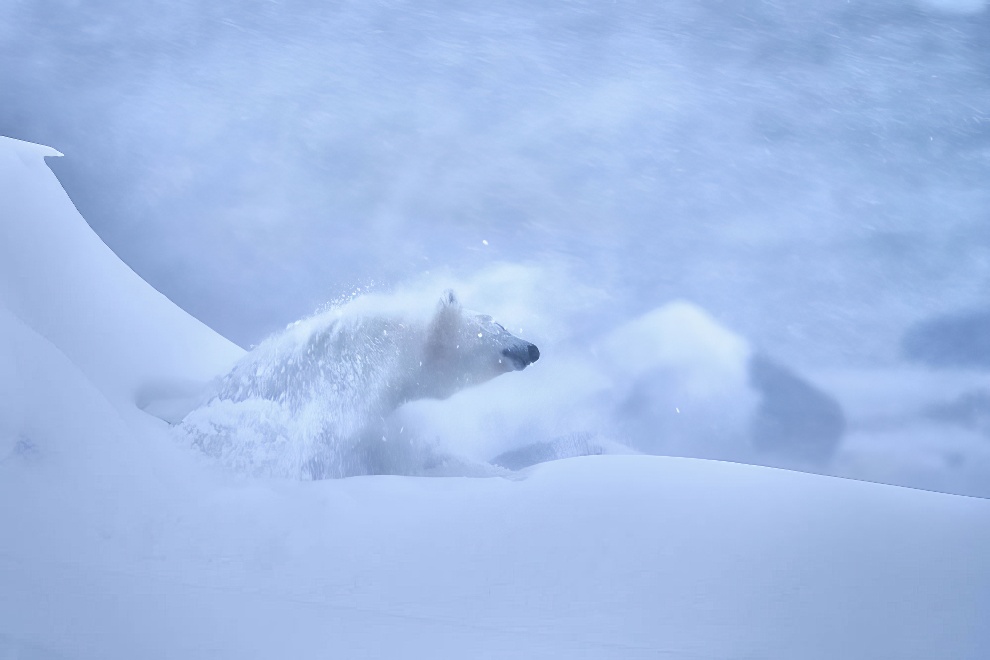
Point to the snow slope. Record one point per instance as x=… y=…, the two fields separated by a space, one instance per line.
x=117 y=543
x=627 y=557
x=65 y=283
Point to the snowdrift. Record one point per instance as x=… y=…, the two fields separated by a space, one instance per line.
x=116 y=542
x=59 y=278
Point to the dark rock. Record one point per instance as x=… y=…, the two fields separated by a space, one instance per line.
x=971 y=410
x=568 y=446
x=794 y=419
x=958 y=340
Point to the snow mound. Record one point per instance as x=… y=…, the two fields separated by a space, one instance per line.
x=62 y=281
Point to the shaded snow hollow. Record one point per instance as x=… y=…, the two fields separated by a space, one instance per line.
x=118 y=543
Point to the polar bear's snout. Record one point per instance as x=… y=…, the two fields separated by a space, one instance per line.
x=522 y=355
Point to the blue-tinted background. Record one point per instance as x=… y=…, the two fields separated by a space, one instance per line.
x=813 y=173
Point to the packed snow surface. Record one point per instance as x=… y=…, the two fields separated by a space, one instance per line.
x=118 y=542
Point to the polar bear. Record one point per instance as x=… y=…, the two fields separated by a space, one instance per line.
x=302 y=403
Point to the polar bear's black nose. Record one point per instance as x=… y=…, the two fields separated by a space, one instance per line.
x=522 y=355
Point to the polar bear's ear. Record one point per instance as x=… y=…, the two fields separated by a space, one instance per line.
x=445 y=324
x=448 y=299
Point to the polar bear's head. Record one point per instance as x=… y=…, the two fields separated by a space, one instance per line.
x=463 y=349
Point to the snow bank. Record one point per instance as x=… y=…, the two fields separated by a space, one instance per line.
x=59 y=278
x=595 y=557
